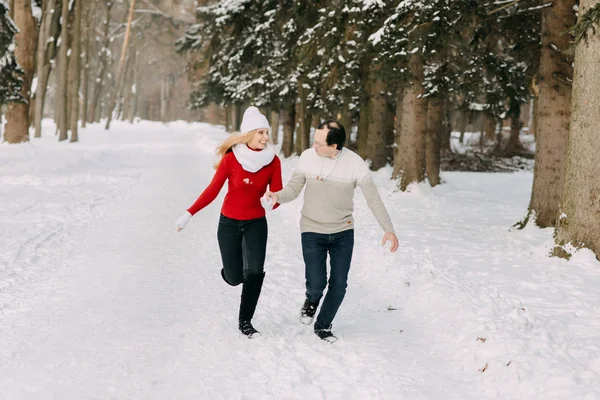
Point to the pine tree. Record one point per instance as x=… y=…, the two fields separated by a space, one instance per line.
x=242 y=51
x=579 y=220
x=10 y=73
x=476 y=55
x=247 y=54
x=17 y=115
x=553 y=113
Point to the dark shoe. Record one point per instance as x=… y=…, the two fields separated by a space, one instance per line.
x=250 y=294
x=307 y=312
x=325 y=334
x=247 y=329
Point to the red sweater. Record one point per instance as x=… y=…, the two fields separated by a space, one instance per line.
x=242 y=201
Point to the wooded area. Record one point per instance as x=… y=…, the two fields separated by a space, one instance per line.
x=403 y=76
x=118 y=62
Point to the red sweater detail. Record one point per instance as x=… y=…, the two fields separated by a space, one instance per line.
x=242 y=201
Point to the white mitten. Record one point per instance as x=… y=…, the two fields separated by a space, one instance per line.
x=183 y=220
x=266 y=203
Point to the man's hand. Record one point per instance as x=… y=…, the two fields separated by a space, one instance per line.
x=271 y=197
x=390 y=237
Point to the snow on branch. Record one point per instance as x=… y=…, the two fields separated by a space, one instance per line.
x=369 y=4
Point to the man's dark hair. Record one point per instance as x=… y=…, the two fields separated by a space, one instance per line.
x=336 y=133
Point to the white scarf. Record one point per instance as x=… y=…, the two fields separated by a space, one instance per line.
x=251 y=160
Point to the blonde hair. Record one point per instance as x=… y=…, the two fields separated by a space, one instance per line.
x=232 y=140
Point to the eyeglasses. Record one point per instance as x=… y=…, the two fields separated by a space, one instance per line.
x=316 y=145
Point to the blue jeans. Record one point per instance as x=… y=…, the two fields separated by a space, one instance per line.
x=315 y=247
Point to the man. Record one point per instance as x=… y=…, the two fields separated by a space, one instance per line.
x=330 y=172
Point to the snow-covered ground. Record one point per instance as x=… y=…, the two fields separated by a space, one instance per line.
x=101 y=298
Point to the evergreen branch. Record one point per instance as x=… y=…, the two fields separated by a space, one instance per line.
x=512 y=3
x=422 y=25
x=528 y=10
x=585 y=23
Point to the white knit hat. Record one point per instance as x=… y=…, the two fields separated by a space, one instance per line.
x=252 y=120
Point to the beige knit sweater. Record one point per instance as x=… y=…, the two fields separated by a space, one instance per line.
x=329 y=194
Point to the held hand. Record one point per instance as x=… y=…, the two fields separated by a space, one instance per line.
x=266 y=203
x=272 y=198
x=390 y=237
x=182 y=221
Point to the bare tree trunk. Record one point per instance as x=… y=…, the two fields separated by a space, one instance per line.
x=298 y=137
x=533 y=116
x=136 y=87
x=514 y=146
x=535 y=92
x=17 y=116
x=57 y=100
x=314 y=122
x=498 y=146
x=239 y=115
x=462 y=125
x=228 y=119
x=398 y=150
x=86 y=67
x=289 y=122
x=376 y=145
x=489 y=128
x=275 y=125
x=163 y=99
x=304 y=120
x=236 y=117
x=32 y=102
x=305 y=124
x=346 y=117
x=435 y=126
x=412 y=137
x=388 y=128
x=445 y=145
x=42 y=65
x=62 y=91
x=554 y=112
x=170 y=97
x=363 y=122
x=579 y=223
x=75 y=72
x=121 y=70
x=128 y=87
x=104 y=60
x=234 y=111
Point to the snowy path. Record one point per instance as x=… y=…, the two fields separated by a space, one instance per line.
x=100 y=298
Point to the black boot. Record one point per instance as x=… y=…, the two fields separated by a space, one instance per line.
x=326 y=334
x=250 y=294
x=307 y=312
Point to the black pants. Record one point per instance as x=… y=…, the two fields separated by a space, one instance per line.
x=243 y=246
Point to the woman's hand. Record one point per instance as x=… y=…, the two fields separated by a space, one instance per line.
x=267 y=203
x=182 y=221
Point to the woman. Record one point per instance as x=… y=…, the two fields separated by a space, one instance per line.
x=248 y=162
